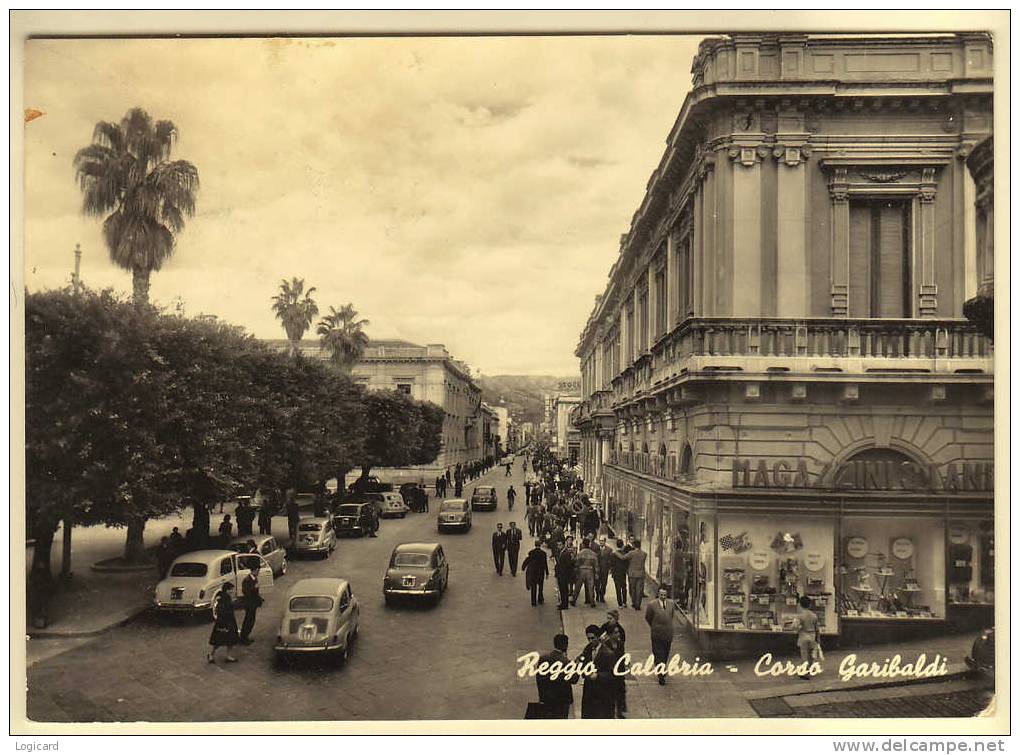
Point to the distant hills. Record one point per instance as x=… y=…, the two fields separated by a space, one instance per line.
x=521 y=394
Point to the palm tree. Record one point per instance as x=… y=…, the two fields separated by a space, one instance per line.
x=341 y=332
x=295 y=311
x=126 y=172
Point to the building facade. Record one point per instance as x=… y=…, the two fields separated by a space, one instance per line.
x=566 y=437
x=780 y=393
x=425 y=373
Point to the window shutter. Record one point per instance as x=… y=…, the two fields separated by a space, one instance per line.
x=860 y=257
x=890 y=259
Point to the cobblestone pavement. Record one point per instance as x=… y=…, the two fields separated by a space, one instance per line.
x=454 y=661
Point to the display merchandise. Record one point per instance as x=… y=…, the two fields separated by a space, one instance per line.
x=970 y=566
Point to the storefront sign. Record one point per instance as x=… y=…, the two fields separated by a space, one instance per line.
x=871 y=474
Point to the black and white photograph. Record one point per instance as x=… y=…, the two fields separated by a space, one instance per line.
x=591 y=373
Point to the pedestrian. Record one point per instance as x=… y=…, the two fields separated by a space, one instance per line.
x=245 y=516
x=252 y=601
x=499 y=548
x=424 y=495
x=806 y=623
x=613 y=628
x=598 y=700
x=565 y=571
x=555 y=693
x=586 y=565
x=507 y=470
x=164 y=557
x=226 y=530
x=224 y=631
x=511 y=496
x=636 y=560
x=536 y=569
x=293 y=514
x=591 y=522
x=513 y=546
x=618 y=568
x=176 y=540
x=605 y=555
x=660 y=614
x=458 y=488
x=265 y=518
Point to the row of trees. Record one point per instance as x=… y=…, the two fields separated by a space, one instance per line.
x=341 y=332
x=133 y=414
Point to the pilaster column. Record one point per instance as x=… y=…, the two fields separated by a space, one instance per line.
x=672 y=291
x=840 y=251
x=653 y=305
x=707 y=252
x=792 y=289
x=747 y=230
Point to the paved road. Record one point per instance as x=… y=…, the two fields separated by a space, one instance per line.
x=454 y=661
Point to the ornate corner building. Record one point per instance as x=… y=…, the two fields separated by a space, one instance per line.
x=780 y=393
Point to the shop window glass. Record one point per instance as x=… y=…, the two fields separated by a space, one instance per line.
x=970 y=570
x=704 y=609
x=766 y=564
x=892 y=568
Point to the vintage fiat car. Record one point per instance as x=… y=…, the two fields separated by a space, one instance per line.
x=266 y=546
x=483 y=498
x=322 y=616
x=454 y=514
x=416 y=570
x=195 y=580
x=315 y=535
x=393 y=505
x=356 y=519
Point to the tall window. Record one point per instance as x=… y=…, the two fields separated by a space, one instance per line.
x=684 y=278
x=631 y=331
x=642 y=316
x=880 y=274
x=660 y=303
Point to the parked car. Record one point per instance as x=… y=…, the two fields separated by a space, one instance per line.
x=414 y=496
x=982 y=653
x=393 y=505
x=454 y=513
x=484 y=498
x=315 y=535
x=416 y=570
x=356 y=519
x=322 y=616
x=195 y=579
x=370 y=484
x=266 y=546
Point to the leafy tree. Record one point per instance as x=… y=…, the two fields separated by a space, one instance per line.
x=294 y=310
x=399 y=431
x=342 y=334
x=126 y=172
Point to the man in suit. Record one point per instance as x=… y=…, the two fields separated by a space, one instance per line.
x=536 y=569
x=586 y=566
x=565 y=571
x=618 y=568
x=251 y=600
x=636 y=560
x=660 y=614
x=605 y=555
x=556 y=694
x=513 y=546
x=499 y=548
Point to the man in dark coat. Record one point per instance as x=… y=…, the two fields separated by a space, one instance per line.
x=499 y=548
x=660 y=615
x=556 y=694
x=598 y=700
x=251 y=600
x=618 y=568
x=245 y=516
x=605 y=557
x=164 y=556
x=565 y=572
x=513 y=546
x=266 y=517
x=536 y=569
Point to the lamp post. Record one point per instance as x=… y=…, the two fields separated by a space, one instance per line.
x=65 y=557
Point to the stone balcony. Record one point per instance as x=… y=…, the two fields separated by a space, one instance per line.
x=858 y=350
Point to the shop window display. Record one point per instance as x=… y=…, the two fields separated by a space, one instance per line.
x=766 y=565
x=892 y=569
x=705 y=592
x=970 y=550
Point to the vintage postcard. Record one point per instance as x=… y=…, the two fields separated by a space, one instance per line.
x=587 y=372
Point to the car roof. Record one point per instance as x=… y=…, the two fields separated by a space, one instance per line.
x=203 y=557
x=319 y=519
x=259 y=539
x=359 y=504
x=485 y=487
x=317 y=586
x=416 y=547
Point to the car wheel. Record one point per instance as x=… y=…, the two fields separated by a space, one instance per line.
x=213 y=613
x=283 y=567
x=345 y=654
x=403 y=515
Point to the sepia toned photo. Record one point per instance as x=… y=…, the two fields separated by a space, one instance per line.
x=388 y=376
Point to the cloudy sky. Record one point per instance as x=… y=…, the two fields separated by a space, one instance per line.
x=466 y=191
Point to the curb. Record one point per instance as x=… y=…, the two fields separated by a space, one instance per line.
x=124 y=618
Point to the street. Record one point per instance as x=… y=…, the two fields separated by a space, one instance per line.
x=454 y=661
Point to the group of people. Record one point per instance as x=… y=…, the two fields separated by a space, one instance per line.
x=455 y=477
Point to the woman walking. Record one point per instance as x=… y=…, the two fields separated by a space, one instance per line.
x=224 y=631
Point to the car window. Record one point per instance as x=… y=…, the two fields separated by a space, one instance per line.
x=454 y=507
x=311 y=603
x=188 y=569
x=309 y=527
x=267 y=547
x=247 y=563
x=411 y=559
x=344 y=601
x=226 y=566
x=348 y=510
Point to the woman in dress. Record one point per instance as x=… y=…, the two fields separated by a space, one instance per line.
x=224 y=631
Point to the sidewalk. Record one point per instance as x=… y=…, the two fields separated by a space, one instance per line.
x=735 y=690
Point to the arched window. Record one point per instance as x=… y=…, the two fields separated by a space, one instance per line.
x=687 y=461
x=661 y=470
x=644 y=457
